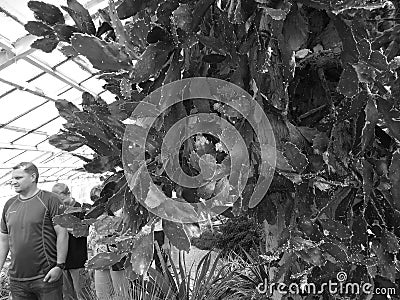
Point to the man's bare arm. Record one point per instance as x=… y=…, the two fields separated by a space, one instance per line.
x=62 y=249
x=4 y=248
x=62 y=243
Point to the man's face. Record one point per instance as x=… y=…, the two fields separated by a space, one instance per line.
x=22 y=181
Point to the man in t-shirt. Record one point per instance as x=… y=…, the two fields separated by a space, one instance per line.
x=38 y=247
x=77 y=251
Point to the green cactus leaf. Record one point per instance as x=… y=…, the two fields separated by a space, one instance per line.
x=95 y=212
x=47 y=13
x=164 y=11
x=103 y=55
x=348 y=84
x=69 y=51
x=94 y=105
x=295 y=29
x=65 y=32
x=138 y=32
x=295 y=157
x=122 y=109
x=104 y=260
x=371 y=118
x=151 y=62
x=95 y=137
x=126 y=88
x=67 y=110
x=116 y=201
x=214 y=44
x=102 y=164
x=46 y=44
x=350 y=53
x=66 y=220
x=38 y=28
x=122 y=36
x=174 y=70
x=129 y=8
x=142 y=253
x=80 y=230
x=81 y=16
x=108 y=225
x=176 y=235
x=182 y=17
x=66 y=141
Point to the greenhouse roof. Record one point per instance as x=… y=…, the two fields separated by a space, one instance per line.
x=30 y=82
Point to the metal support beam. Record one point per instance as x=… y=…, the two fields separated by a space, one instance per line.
x=35 y=129
x=10 y=166
x=21 y=49
x=22 y=147
x=37 y=63
x=7 y=146
x=24 y=130
x=27 y=89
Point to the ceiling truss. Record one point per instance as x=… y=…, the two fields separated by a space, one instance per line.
x=53 y=163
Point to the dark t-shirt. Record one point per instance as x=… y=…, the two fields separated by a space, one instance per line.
x=77 y=248
x=31 y=234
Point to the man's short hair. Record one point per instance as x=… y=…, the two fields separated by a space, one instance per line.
x=29 y=168
x=61 y=188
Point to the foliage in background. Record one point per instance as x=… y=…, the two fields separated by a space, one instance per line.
x=5 y=282
x=326 y=74
x=234 y=236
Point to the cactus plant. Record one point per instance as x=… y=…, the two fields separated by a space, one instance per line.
x=326 y=75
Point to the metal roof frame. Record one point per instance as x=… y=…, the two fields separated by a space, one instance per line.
x=53 y=162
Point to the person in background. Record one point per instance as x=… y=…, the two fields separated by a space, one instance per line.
x=77 y=256
x=110 y=283
x=38 y=246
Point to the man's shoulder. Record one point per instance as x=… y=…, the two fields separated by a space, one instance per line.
x=50 y=197
x=10 y=201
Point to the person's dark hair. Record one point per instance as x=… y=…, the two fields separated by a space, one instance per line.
x=29 y=168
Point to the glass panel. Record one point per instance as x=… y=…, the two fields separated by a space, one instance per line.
x=5 y=177
x=6 y=154
x=54 y=126
x=41 y=159
x=52 y=158
x=8 y=135
x=73 y=95
x=95 y=85
x=73 y=71
x=49 y=84
x=37 y=117
x=27 y=156
x=31 y=140
x=16 y=103
x=15 y=30
x=4 y=88
x=108 y=97
x=19 y=72
x=50 y=59
x=57 y=171
x=19 y=9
